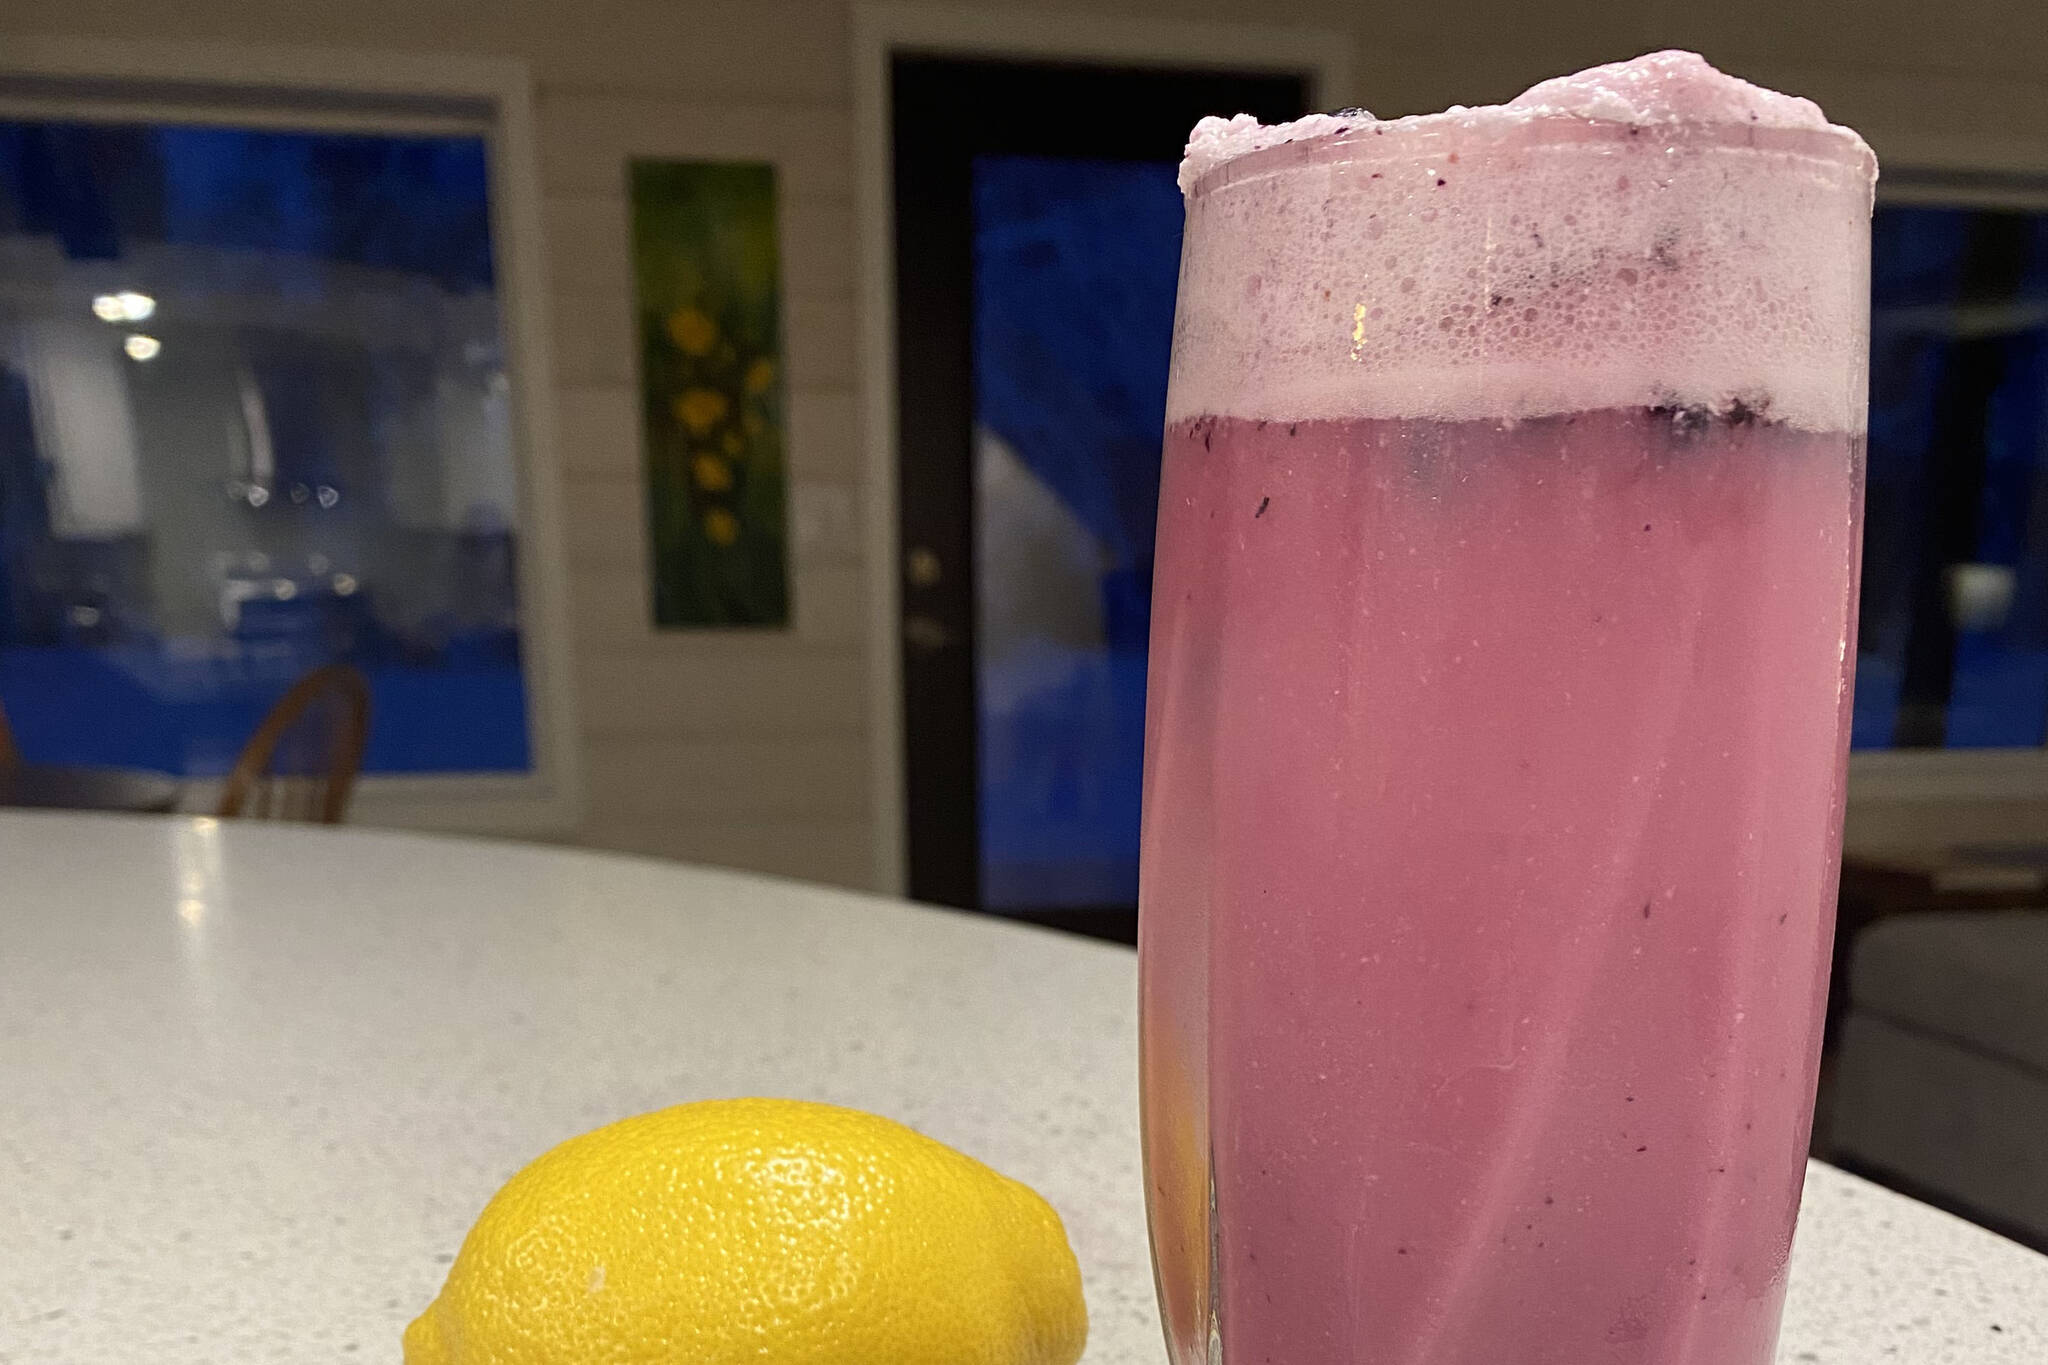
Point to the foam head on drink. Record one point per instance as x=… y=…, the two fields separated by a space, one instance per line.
x=1502 y=639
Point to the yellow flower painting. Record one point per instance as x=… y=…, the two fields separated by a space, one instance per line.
x=708 y=297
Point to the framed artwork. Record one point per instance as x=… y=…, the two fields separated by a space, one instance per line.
x=708 y=305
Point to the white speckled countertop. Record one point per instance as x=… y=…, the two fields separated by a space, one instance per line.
x=258 y=1080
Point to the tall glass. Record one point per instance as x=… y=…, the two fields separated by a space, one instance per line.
x=1501 y=663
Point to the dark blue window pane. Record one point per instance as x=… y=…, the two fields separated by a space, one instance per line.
x=1075 y=264
x=253 y=418
x=1954 y=620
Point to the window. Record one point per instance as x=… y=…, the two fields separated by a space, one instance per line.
x=1953 y=639
x=1075 y=265
x=260 y=411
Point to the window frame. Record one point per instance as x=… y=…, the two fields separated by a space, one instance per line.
x=1883 y=781
x=333 y=90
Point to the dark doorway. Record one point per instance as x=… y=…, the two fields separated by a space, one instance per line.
x=1037 y=247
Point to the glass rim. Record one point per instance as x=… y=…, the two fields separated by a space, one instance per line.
x=1432 y=136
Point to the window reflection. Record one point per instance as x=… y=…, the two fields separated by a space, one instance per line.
x=1075 y=266
x=1953 y=647
x=253 y=418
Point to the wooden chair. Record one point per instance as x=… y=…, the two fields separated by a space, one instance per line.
x=10 y=757
x=302 y=761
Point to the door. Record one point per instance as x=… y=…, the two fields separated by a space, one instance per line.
x=1038 y=244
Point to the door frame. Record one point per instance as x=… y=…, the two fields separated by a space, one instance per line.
x=880 y=33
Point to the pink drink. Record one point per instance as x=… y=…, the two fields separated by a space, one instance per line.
x=1495 y=749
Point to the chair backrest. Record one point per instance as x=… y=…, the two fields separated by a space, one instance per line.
x=301 y=763
x=10 y=757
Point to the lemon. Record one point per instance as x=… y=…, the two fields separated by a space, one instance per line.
x=775 y=1232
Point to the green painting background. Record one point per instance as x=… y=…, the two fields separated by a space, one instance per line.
x=708 y=307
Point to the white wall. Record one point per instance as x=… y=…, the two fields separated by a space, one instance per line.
x=754 y=749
